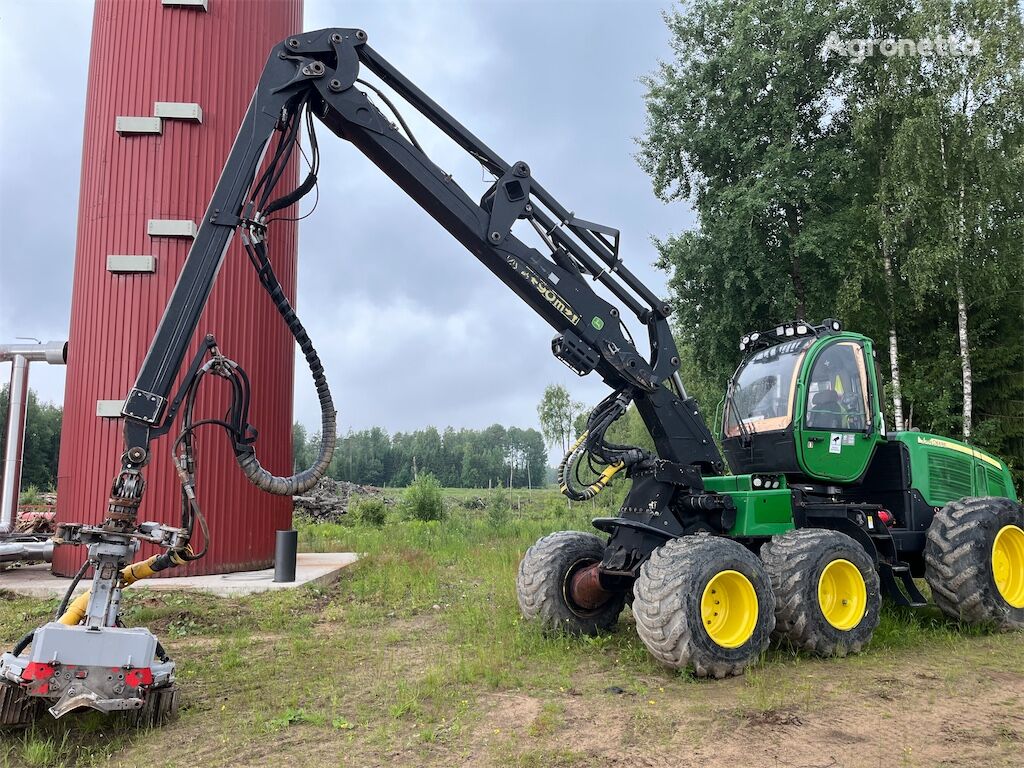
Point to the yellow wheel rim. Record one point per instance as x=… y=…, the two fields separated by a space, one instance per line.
x=1008 y=564
x=842 y=594
x=728 y=609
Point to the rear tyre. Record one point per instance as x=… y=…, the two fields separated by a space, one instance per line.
x=545 y=574
x=974 y=561
x=705 y=603
x=827 y=595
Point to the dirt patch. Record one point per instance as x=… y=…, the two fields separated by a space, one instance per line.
x=920 y=717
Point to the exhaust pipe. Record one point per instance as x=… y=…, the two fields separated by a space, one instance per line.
x=26 y=551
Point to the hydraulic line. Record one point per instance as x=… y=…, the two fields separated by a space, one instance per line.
x=593 y=445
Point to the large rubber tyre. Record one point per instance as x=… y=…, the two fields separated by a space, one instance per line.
x=543 y=580
x=822 y=581
x=959 y=563
x=669 y=597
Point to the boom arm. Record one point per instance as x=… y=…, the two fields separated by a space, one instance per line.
x=321 y=68
x=318 y=73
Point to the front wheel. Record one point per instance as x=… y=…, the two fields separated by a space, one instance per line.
x=544 y=579
x=704 y=603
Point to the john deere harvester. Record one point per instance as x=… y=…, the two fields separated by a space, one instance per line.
x=824 y=512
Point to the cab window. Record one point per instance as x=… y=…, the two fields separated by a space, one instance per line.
x=837 y=389
x=761 y=395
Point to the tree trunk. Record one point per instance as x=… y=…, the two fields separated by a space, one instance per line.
x=965 y=355
x=959 y=237
x=894 y=350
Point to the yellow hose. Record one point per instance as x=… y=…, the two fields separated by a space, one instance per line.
x=129 y=575
x=599 y=484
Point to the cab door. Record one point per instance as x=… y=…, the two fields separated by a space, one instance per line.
x=837 y=430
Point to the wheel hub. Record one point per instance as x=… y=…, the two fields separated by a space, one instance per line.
x=842 y=594
x=1008 y=564
x=582 y=588
x=728 y=609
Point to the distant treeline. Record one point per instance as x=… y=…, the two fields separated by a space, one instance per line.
x=463 y=458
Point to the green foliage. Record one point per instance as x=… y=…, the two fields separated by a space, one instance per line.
x=877 y=192
x=304 y=447
x=371 y=511
x=742 y=123
x=42 y=440
x=422 y=500
x=559 y=416
x=30 y=495
x=499 y=510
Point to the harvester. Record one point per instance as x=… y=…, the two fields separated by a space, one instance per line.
x=821 y=513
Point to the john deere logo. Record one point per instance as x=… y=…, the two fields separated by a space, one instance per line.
x=598 y=323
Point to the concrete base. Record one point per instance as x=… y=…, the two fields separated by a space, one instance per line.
x=311 y=568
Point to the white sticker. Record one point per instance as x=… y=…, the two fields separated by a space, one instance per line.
x=835 y=443
x=848 y=439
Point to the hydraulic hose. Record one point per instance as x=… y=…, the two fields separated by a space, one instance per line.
x=22 y=644
x=71 y=589
x=246 y=454
x=592 y=441
x=72 y=614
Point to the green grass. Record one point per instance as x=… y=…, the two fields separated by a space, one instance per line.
x=408 y=650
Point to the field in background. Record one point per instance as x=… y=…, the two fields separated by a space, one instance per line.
x=418 y=657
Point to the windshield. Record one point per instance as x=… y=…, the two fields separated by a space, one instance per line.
x=762 y=391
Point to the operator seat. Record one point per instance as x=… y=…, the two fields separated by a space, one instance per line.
x=826 y=410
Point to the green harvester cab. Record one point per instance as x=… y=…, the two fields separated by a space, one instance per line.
x=803 y=431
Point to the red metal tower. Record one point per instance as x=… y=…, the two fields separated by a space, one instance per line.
x=169 y=81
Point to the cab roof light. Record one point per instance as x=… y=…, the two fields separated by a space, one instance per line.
x=756 y=340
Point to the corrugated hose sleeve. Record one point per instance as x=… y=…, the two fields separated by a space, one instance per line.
x=246 y=454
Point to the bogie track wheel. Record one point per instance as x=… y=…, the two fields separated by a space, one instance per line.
x=974 y=561
x=544 y=585
x=704 y=603
x=827 y=596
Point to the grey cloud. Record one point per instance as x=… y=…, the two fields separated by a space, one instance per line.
x=412 y=329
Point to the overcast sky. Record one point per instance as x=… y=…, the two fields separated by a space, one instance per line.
x=412 y=329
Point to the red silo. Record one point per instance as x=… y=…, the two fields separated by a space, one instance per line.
x=169 y=82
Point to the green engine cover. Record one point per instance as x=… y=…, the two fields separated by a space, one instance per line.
x=944 y=470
